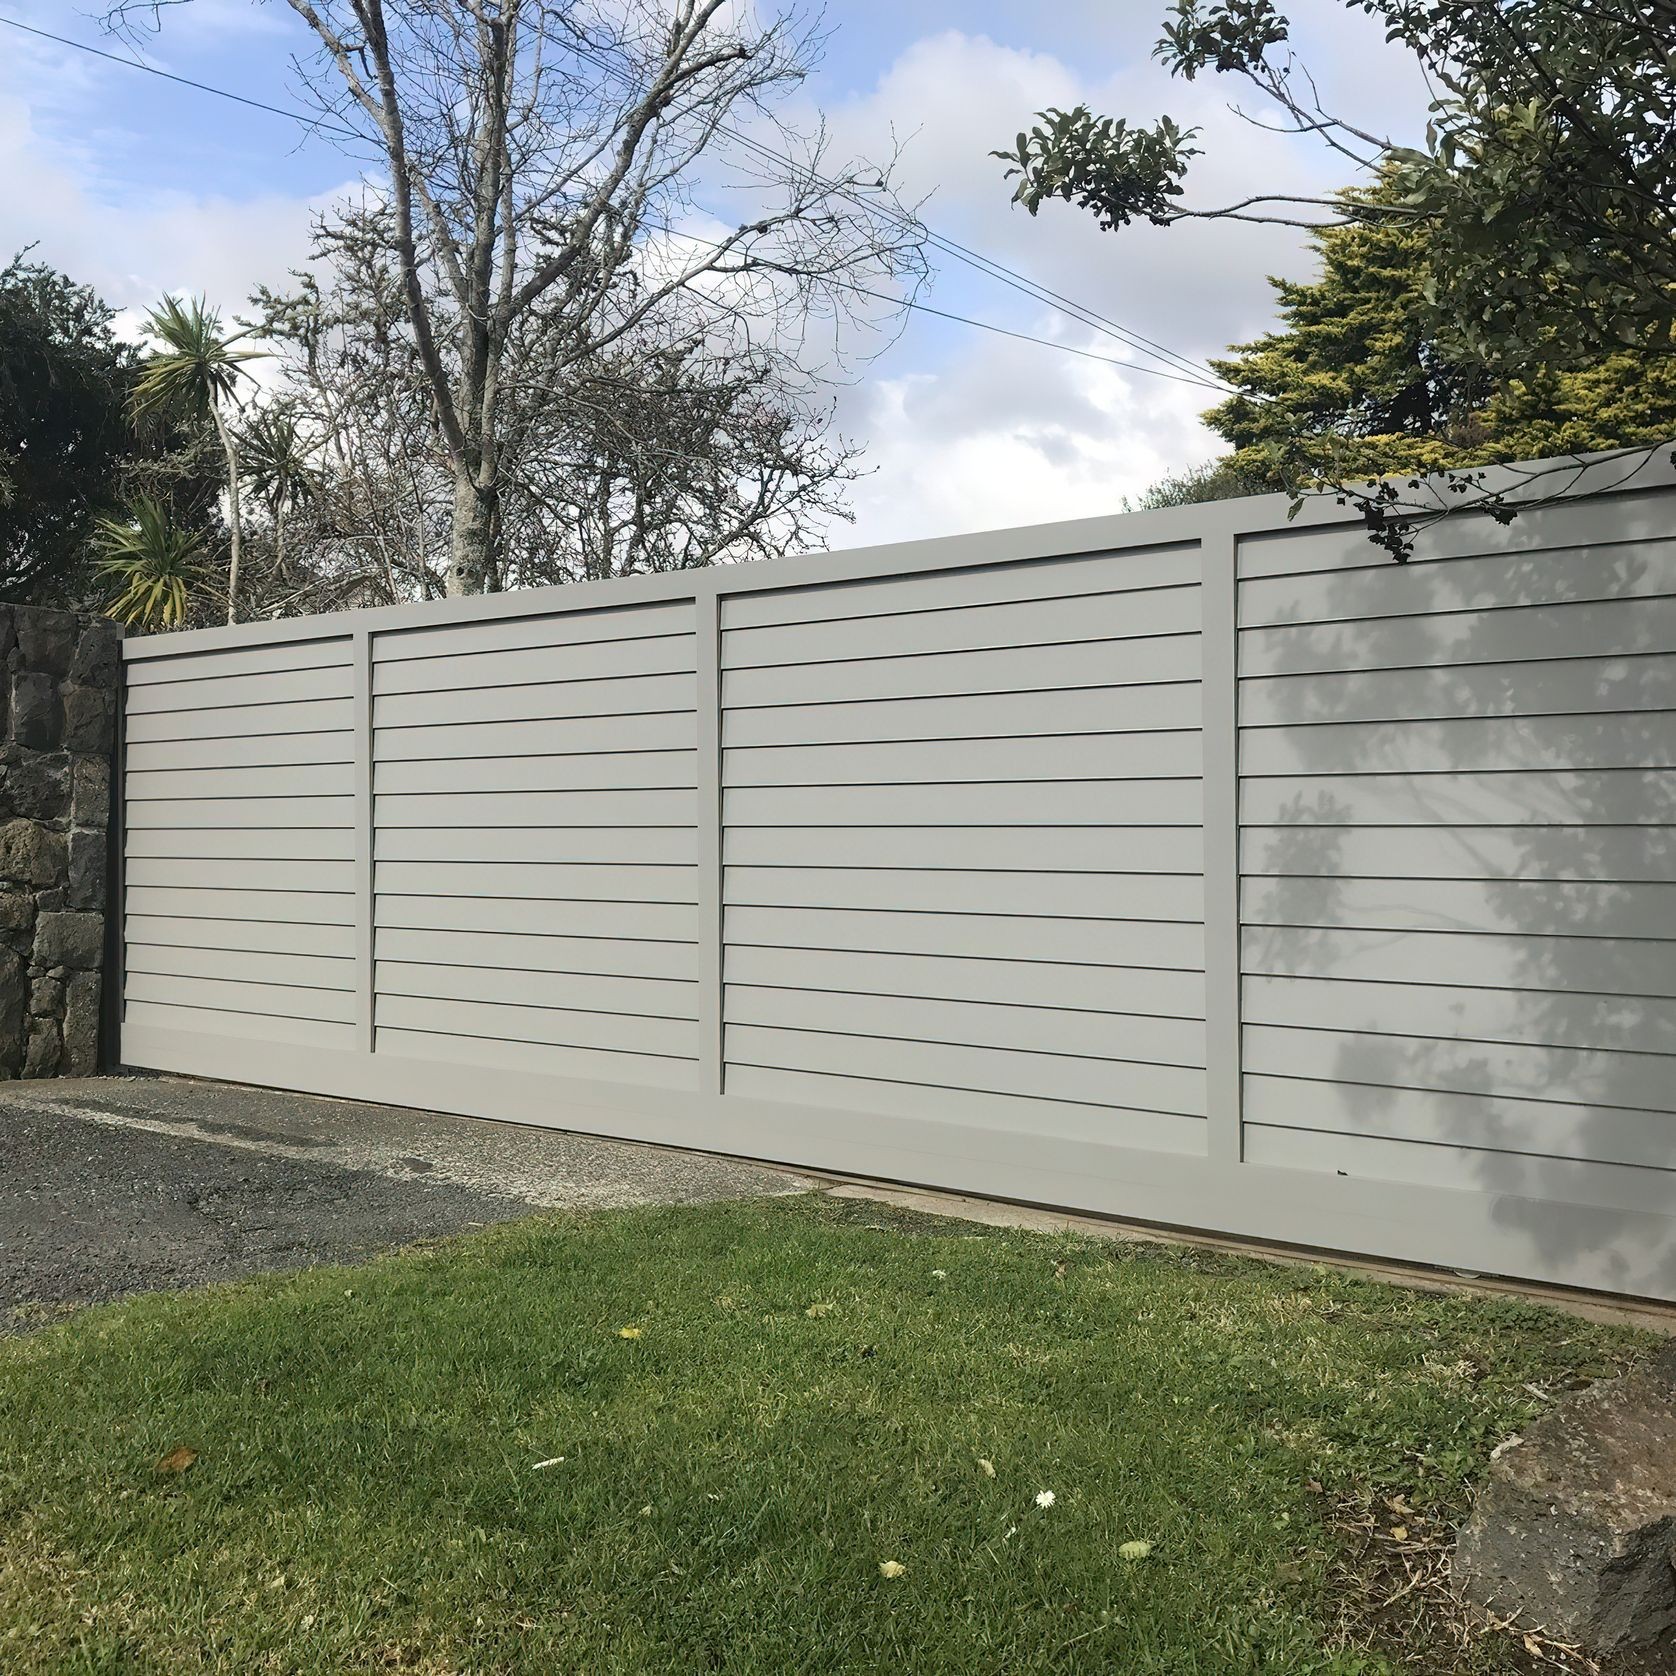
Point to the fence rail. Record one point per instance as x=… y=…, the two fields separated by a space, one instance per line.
x=1197 y=866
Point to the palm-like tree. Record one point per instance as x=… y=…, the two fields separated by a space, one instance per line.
x=154 y=563
x=275 y=459
x=192 y=376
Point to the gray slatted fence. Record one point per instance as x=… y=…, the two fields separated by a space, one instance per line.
x=1192 y=865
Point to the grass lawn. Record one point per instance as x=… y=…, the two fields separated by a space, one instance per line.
x=741 y=1413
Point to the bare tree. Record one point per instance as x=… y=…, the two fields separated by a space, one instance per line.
x=540 y=159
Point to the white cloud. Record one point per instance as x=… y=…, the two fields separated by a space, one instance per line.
x=151 y=242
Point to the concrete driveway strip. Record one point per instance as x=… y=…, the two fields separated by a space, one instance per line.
x=113 y=1185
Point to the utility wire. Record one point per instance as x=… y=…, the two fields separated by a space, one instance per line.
x=317 y=123
x=1192 y=375
x=952 y=247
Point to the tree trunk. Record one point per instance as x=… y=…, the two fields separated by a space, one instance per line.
x=233 y=514
x=472 y=546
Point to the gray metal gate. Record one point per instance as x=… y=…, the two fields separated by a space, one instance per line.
x=1188 y=865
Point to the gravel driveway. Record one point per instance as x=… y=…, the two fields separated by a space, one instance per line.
x=112 y=1185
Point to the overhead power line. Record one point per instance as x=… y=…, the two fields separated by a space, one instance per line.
x=319 y=124
x=1191 y=372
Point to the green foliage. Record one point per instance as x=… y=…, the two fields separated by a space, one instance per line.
x=197 y=369
x=1544 y=194
x=455 y=1459
x=64 y=380
x=1356 y=382
x=154 y=565
x=1215 y=480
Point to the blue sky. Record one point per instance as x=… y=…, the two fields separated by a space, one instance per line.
x=140 y=186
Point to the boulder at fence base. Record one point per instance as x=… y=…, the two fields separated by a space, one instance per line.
x=1575 y=1530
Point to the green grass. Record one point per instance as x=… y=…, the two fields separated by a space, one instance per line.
x=813 y=1390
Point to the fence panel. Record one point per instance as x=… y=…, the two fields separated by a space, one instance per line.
x=1200 y=866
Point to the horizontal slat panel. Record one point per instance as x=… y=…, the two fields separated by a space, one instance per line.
x=1463 y=852
x=303 y=971
x=1051 y=1120
x=1170 y=705
x=613 y=1032
x=602 y=883
x=263 y=750
x=287 y=780
x=1543 y=907
x=1159 y=1041
x=539 y=808
x=1641 y=1080
x=1571 y=687
x=1077 y=756
x=987 y=936
x=239 y=691
x=292 y=907
x=589 y=992
x=1635 y=516
x=1629 y=570
x=570 y=628
x=1045 y=622
x=260 y=1027
x=1161 y=896
x=247 y=660
x=222 y=995
x=522 y=954
x=242 y=721
x=1046 y=1076
x=1609 y=1134
x=670 y=654
x=1019 y=849
x=625 y=770
x=654 y=731
x=241 y=874
x=1602 y=628
x=1613 y=797
x=1083 y=573
x=273 y=937
x=244 y=843
x=1641 y=739
x=1014 y=803
x=1101 y=989
x=1599 y=966
x=631 y=845
x=538 y=1059
x=546 y=700
x=655 y=921
x=1096 y=663
x=1540 y=1019
x=1565 y=1180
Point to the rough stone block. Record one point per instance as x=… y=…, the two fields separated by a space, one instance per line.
x=86 y=878
x=46 y=997
x=89 y=719
x=17 y=910
x=37 y=713
x=47 y=640
x=14 y=996
x=73 y=940
x=1575 y=1530
x=90 y=800
x=43 y=1049
x=97 y=653
x=38 y=786
x=81 y=1025
x=31 y=853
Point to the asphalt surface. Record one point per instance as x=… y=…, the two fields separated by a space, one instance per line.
x=115 y=1185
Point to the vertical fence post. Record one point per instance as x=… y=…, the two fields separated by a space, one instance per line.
x=1220 y=649
x=707 y=622
x=360 y=651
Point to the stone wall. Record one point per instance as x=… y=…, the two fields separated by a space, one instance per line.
x=58 y=685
